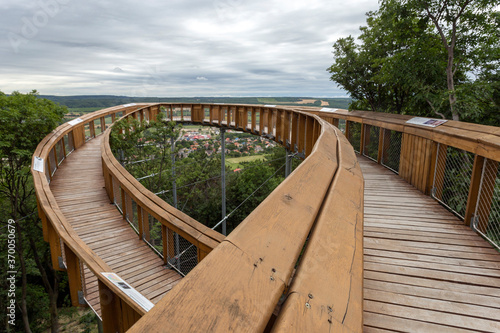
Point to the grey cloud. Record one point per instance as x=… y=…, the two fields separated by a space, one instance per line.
x=160 y=48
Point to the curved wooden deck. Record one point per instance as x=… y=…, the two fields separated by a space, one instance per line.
x=78 y=187
x=424 y=270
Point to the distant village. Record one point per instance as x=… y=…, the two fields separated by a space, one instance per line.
x=237 y=143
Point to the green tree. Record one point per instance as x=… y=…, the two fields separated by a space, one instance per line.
x=468 y=30
x=424 y=58
x=25 y=119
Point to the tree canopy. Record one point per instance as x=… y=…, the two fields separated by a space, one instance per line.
x=424 y=57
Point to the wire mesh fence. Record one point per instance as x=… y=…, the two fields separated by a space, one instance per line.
x=391 y=151
x=68 y=143
x=117 y=196
x=60 y=151
x=153 y=234
x=452 y=178
x=371 y=138
x=342 y=125
x=181 y=254
x=487 y=215
x=354 y=135
x=52 y=161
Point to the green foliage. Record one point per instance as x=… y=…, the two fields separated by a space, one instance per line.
x=197 y=176
x=411 y=60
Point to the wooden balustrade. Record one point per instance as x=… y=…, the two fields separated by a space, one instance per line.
x=423 y=149
x=303 y=242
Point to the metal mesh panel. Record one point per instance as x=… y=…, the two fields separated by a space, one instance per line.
x=68 y=143
x=154 y=236
x=487 y=215
x=342 y=125
x=181 y=254
x=370 y=145
x=186 y=114
x=90 y=289
x=355 y=135
x=391 y=152
x=47 y=171
x=206 y=113
x=108 y=121
x=60 y=151
x=176 y=114
x=53 y=164
x=117 y=194
x=452 y=178
x=97 y=127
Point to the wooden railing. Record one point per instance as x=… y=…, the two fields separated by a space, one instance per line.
x=68 y=251
x=303 y=244
x=456 y=163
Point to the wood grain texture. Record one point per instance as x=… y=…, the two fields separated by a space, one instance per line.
x=423 y=269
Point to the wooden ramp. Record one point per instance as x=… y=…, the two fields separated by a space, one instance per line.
x=424 y=270
x=78 y=187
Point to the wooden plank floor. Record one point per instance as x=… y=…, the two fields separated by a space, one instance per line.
x=78 y=187
x=424 y=270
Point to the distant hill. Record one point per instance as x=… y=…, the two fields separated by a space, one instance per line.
x=89 y=103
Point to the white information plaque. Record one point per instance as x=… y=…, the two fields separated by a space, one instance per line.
x=130 y=104
x=328 y=110
x=129 y=290
x=270 y=106
x=75 y=121
x=429 y=122
x=38 y=164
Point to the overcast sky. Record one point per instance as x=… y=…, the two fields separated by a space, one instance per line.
x=174 y=48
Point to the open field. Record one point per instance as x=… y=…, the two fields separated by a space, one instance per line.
x=234 y=162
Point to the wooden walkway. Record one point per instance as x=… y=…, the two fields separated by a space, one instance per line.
x=424 y=270
x=78 y=187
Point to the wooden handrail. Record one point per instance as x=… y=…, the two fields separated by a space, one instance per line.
x=239 y=284
x=55 y=226
x=314 y=218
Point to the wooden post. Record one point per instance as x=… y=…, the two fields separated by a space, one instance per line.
x=55 y=247
x=92 y=129
x=168 y=243
x=270 y=122
x=301 y=132
x=309 y=134
x=140 y=221
x=201 y=255
x=110 y=310
x=43 y=217
x=293 y=139
x=124 y=206
x=346 y=132
x=145 y=226
x=487 y=192
x=362 y=139
x=381 y=146
x=475 y=182
x=279 y=126
x=74 y=276
x=335 y=122
x=286 y=129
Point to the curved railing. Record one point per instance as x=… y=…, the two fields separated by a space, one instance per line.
x=268 y=243
x=295 y=263
x=68 y=251
x=456 y=163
